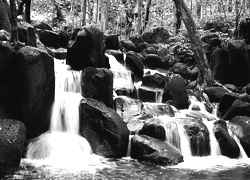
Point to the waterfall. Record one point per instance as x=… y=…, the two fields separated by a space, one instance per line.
x=62 y=146
x=214 y=145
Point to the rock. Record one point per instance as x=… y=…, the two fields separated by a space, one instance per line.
x=198 y=134
x=238 y=108
x=176 y=91
x=239 y=126
x=149 y=149
x=180 y=68
x=162 y=52
x=128 y=45
x=244 y=30
x=154 y=128
x=97 y=83
x=220 y=65
x=26 y=34
x=86 y=49
x=104 y=129
x=8 y=90
x=147 y=37
x=49 y=38
x=193 y=73
x=225 y=104
x=215 y=93
x=63 y=38
x=12 y=139
x=147 y=94
x=208 y=36
x=153 y=61
x=36 y=88
x=112 y=42
x=150 y=50
x=127 y=107
x=228 y=146
x=5 y=16
x=160 y=35
x=59 y=53
x=239 y=63
x=138 y=42
x=134 y=63
x=154 y=81
x=42 y=25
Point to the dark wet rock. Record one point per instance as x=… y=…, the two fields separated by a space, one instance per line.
x=97 y=83
x=193 y=73
x=117 y=54
x=154 y=81
x=134 y=62
x=63 y=38
x=147 y=94
x=153 y=61
x=49 y=38
x=86 y=49
x=176 y=91
x=128 y=45
x=244 y=30
x=220 y=65
x=240 y=126
x=154 y=128
x=162 y=51
x=198 y=134
x=127 y=107
x=149 y=149
x=5 y=16
x=227 y=144
x=36 y=88
x=104 y=129
x=26 y=34
x=138 y=42
x=147 y=37
x=12 y=139
x=239 y=63
x=215 y=93
x=42 y=25
x=237 y=108
x=8 y=90
x=160 y=35
x=112 y=42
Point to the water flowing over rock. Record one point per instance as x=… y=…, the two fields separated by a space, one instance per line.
x=36 y=88
x=86 y=49
x=146 y=148
x=227 y=144
x=97 y=83
x=103 y=128
x=5 y=16
x=12 y=139
x=240 y=126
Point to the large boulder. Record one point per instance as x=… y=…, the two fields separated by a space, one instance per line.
x=215 y=93
x=12 y=139
x=36 y=88
x=5 y=16
x=26 y=33
x=49 y=38
x=176 y=91
x=8 y=94
x=153 y=61
x=97 y=83
x=42 y=25
x=156 y=80
x=227 y=144
x=138 y=42
x=64 y=38
x=134 y=62
x=239 y=62
x=241 y=128
x=104 y=129
x=244 y=30
x=112 y=42
x=149 y=149
x=219 y=64
x=86 y=49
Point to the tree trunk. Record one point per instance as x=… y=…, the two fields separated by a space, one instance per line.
x=104 y=15
x=13 y=17
x=147 y=10
x=95 y=11
x=137 y=14
x=177 y=23
x=205 y=77
x=84 y=10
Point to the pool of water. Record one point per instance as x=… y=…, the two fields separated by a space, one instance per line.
x=194 y=168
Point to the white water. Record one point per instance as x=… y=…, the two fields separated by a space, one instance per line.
x=62 y=146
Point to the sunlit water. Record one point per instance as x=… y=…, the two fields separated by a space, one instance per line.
x=62 y=154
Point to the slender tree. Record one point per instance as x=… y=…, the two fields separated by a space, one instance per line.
x=84 y=11
x=205 y=77
x=147 y=11
x=13 y=17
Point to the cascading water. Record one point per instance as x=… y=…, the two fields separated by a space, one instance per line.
x=62 y=146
